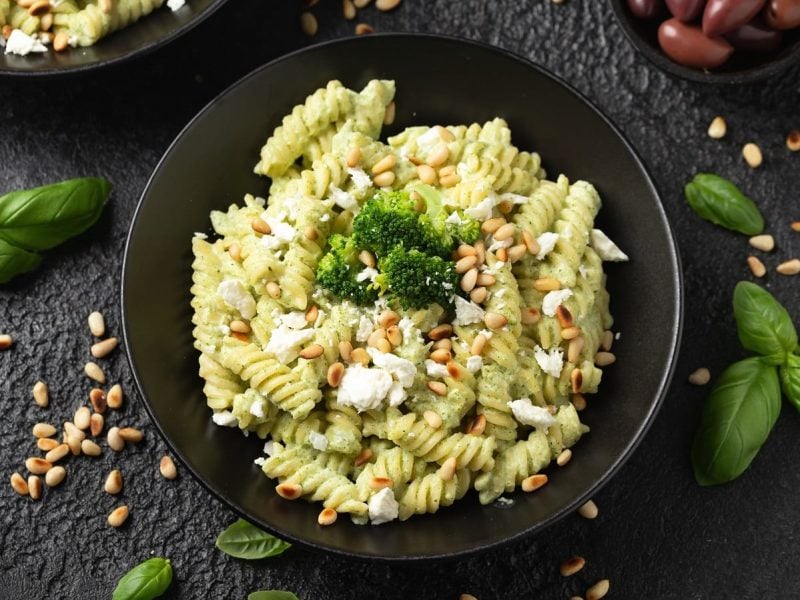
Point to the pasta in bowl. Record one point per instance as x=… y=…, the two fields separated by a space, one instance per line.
x=402 y=321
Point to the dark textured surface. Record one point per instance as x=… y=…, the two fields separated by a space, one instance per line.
x=659 y=535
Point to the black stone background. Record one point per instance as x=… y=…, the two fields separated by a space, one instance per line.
x=659 y=535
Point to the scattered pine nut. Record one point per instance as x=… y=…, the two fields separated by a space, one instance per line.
x=571 y=566
x=312 y=351
x=531 y=243
x=113 y=484
x=505 y=232
x=478 y=344
x=167 y=468
x=495 y=320
x=114 y=397
x=564 y=457
x=492 y=225
x=327 y=517
x=361 y=3
x=74 y=444
x=441 y=356
x=534 y=482
x=579 y=402
x=43 y=430
x=98 y=399
x=290 y=491
x=598 y=590
x=105 y=6
x=235 y=251
x=384 y=179
x=386 y=5
x=795 y=226
x=37 y=466
x=426 y=174
x=40 y=394
x=93 y=371
x=363 y=457
x=61 y=41
x=311 y=233
x=394 y=335
x=335 y=373
x=467 y=597
x=764 y=242
x=259 y=225
x=348 y=10
x=55 y=476
x=432 y=418
x=384 y=345
x=790 y=267
x=360 y=355
x=82 y=418
x=793 y=140
x=273 y=289
x=104 y=348
x=114 y=439
x=603 y=359
x=378 y=483
x=700 y=377
x=385 y=164
x=366 y=258
x=440 y=332
x=35 y=487
x=570 y=333
x=752 y=155
x=5 y=341
x=57 y=453
x=89 y=448
x=607 y=341
x=96 y=424
x=448 y=469
x=118 y=516
x=345 y=350
x=46 y=444
x=547 y=284
x=131 y=434
x=308 y=23
x=97 y=324
x=438 y=388
x=438 y=156
x=478 y=295
x=588 y=510
x=718 y=128
x=515 y=253
x=477 y=426
x=19 y=484
x=465 y=264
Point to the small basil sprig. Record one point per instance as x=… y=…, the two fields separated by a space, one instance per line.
x=764 y=325
x=243 y=540
x=145 y=581
x=272 y=595
x=718 y=200
x=44 y=217
x=790 y=379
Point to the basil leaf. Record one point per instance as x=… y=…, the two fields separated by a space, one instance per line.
x=145 y=581
x=718 y=200
x=14 y=261
x=243 y=540
x=272 y=595
x=736 y=421
x=790 y=379
x=764 y=325
x=44 y=217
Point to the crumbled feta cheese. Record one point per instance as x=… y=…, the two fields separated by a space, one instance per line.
x=257 y=409
x=547 y=241
x=467 y=312
x=225 y=330
x=235 y=295
x=284 y=342
x=401 y=369
x=281 y=230
x=583 y=271
x=528 y=414
x=258 y=199
x=23 y=44
x=474 y=364
x=317 y=441
x=454 y=218
x=176 y=4
x=363 y=388
x=605 y=248
x=361 y=180
x=409 y=331
x=514 y=198
x=617 y=335
x=496 y=245
x=260 y=461
x=292 y=204
x=200 y=235
x=321 y=314
x=503 y=502
x=269 y=448
x=383 y=507
x=365 y=327
x=367 y=273
x=483 y=210
x=225 y=418
x=486 y=333
x=553 y=300
x=325 y=218
x=434 y=369
x=429 y=140
x=551 y=362
x=293 y=320
x=343 y=200
x=397 y=394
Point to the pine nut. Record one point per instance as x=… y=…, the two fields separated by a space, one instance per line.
x=570 y=333
x=273 y=289
x=375 y=336
x=603 y=359
x=479 y=294
x=113 y=484
x=440 y=332
x=515 y=253
x=61 y=41
x=467 y=597
x=765 y=242
x=118 y=516
x=564 y=457
x=469 y=279
x=478 y=344
x=311 y=233
x=74 y=444
x=530 y=243
x=505 y=207
x=466 y=250
x=55 y=476
x=366 y=258
x=40 y=394
x=114 y=397
x=6 y=30
x=432 y=418
x=438 y=388
x=438 y=156
x=444 y=133
x=448 y=469
x=39 y=8
x=19 y=484
x=35 y=487
x=502 y=255
x=574 y=349
x=579 y=402
x=426 y=174
x=82 y=418
x=757 y=267
x=534 y=482
x=364 y=29
x=131 y=434
x=492 y=225
x=308 y=23
x=74 y=431
x=394 y=335
x=335 y=373
x=572 y=565
x=700 y=377
x=361 y=3
x=104 y=348
x=384 y=179
x=790 y=267
x=89 y=448
x=480 y=248
x=441 y=356
x=795 y=225
x=363 y=457
x=114 y=439
x=259 y=225
x=235 y=251
x=384 y=345
x=607 y=340
x=445 y=344
x=386 y=5
x=105 y=6
x=241 y=326
x=389 y=115
x=167 y=468
x=5 y=341
x=353 y=156
x=345 y=350
x=505 y=232
x=547 y=284
x=388 y=318
x=576 y=379
x=486 y=279
x=752 y=155
x=495 y=320
x=327 y=516
x=37 y=466
x=447 y=171
x=46 y=444
x=455 y=371
x=289 y=491
x=312 y=351
x=97 y=324
x=98 y=399
x=478 y=426
x=718 y=128
x=588 y=510
x=93 y=371
x=385 y=164
x=43 y=430
x=529 y=316
x=57 y=453
x=96 y=424
x=378 y=483
x=598 y=590
x=564 y=316
x=46 y=22
x=793 y=140
x=360 y=355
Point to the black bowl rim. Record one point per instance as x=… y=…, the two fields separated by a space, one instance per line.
x=745 y=76
x=666 y=376
x=152 y=46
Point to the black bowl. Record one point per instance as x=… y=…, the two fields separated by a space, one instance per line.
x=149 y=33
x=743 y=67
x=439 y=80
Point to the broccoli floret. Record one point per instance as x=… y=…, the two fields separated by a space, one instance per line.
x=466 y=232
x=338 y=269
x=416 y=279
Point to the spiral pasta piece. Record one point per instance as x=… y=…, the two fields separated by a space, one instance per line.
x=90 y=24
x=396 y=464
x=428 y=493
x=221 y=384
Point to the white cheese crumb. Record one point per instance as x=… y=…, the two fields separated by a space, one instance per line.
x=514 y=198
x=401 y=369
x=547 y=241
x=605 y=248
x=429 y=140
x=361 y=180
x=364 y=329
x=225 y=330
x=257 y=409
x=474 y=364
x=343 y=200
x=454 y=218
x=176 y=4
x=467 y=312
x=236 y=296
x=617 y=335
x=434 y=369
x=383 y=507
x=283 y=342
x=368 y=273
x=397 y=394
x=363 y=388
x=317 y=441
x=225 y=418
x=486 y=333
x=583 y=270
x=22 y=44
x=260 y=461
x=553 y=300
x=325 y=218
x=483 y=210
x=200 y=235
x=293 y=320
x=269 y=448
x=409 y=330
x=496 y=245
x=504 y=502
x=551 y=362
x=281 y=231
x=528 y=414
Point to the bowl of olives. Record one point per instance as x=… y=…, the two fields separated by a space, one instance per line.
x=714 y=41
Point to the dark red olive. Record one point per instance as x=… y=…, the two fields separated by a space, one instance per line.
x=646 y=9
x=687 y=45
x=755 y=36
x=686 y=10
x=722 y=16
x=783 y=14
